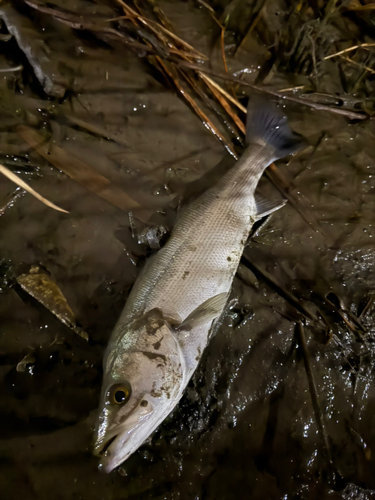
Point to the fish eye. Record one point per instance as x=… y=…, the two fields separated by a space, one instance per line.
x=119 y=394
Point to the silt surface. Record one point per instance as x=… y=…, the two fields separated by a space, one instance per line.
x=246 y=426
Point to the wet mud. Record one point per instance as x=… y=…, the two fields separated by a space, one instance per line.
x=282 y=405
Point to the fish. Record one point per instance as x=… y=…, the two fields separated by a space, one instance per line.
x=179 y=297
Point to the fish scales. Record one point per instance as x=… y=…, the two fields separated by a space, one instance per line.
x=194 y=264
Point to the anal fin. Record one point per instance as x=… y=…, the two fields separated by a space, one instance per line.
x=266 y=207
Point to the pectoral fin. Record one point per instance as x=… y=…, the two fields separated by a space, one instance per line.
x=266 y=207
x=206 y=312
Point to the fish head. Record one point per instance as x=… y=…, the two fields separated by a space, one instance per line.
x=143 y=381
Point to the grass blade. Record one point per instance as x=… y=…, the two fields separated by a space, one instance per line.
x=17 y=180
x=77 y=170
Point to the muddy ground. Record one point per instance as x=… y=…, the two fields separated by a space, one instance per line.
x=282 y=405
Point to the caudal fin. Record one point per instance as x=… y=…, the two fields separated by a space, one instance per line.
x=267 y=126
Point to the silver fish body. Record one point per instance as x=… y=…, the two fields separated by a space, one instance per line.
x=181 y=293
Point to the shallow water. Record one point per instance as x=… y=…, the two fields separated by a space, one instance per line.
x=246 y=426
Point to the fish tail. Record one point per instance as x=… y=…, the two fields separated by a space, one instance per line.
x=267 y=126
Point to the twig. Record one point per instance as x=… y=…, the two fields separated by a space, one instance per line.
x=96 y=130
x=224 y=92
x=223 y=48
x=182 y=42
x=282 y=186
x=360 y=441
x=205 y=120
x=170 y=72
x=17 y=193
x=281 y=291
x=11 y=70
x=292 y=89
x=222 y=43
x=208 y=7
x=160 y=15
x=370 y=301
x=314 y=60
x=78 y=23
x=367 y=68
x=225 y=105
x=147 y=23
x=349 y=319
x=313 y=393
x=253 y=25
x=211 y=104
x=306 y=102
x=349 y=49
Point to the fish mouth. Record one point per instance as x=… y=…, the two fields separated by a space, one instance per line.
x=121 y=441
x=105 y=447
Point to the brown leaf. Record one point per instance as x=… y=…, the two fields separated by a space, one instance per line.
x=45 y=290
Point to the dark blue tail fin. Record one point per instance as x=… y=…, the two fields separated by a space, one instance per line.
x=267 y=126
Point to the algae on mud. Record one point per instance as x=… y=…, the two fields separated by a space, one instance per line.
x=246 y=424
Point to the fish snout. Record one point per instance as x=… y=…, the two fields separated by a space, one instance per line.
x=115 y=445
